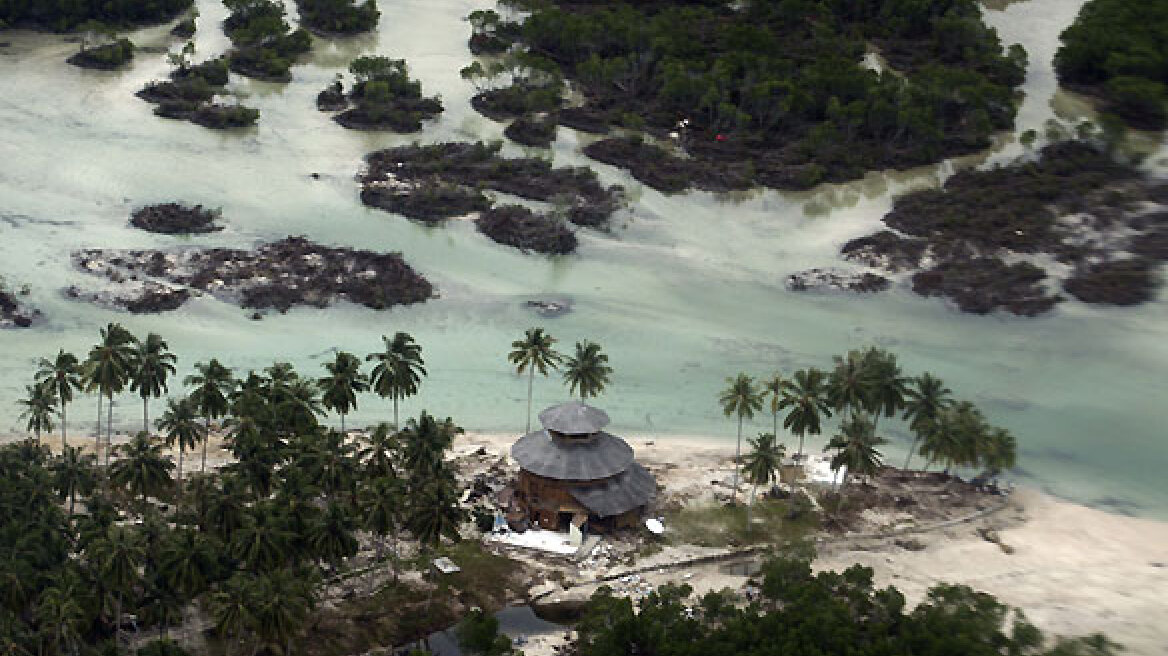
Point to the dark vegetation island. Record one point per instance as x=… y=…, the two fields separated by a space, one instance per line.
x=277 y=275
x=1115 y=52
x=176 y=219
x=981 y=239
x=383 y=97
x=14 y=313
x=781 y=94
x=106 y=56
x=190 y=92
x=338 y=17
x=309 y=541
x=437 y=182
x=64 y=16
x=265 y=45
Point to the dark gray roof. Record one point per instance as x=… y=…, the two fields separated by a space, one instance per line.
x=589 y=459
x=619 y=494
x=573 y=418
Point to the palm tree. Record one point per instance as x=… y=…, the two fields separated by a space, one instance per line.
x=761 y=465
x=60 y=612
x=381 y=507
x=341 y=385
x=212 y=382
x=772 y=388
x=742 y=399
x=855 y=446
x=806 y=396
x=425 y=441
x=927 y=397
x=379 y=453
x=153 y=363
x=533 y=352
x=262 y=543
x=117 y=555
x=181 y=425
x=851 y=382
x=281 y=601
x=999 y=451
x=329 y=462
x=399 y=369
x=298 y=405
x=887 y=388
x=141 y=468
x=39 y=408
x=74 y=472
x=231 y=607
x=588 y=370
x=188 y=562
x=63 y=374
x=107 y=370
x=434 y=512
x=330 y=538
x=957 y=436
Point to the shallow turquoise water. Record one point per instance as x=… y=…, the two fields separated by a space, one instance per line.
x=686 y=290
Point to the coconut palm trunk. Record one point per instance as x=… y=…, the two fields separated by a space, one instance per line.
x=181 y=449
x=737 y=461
x=109 y=426
x=206 y=438
x=97 y=440
x=530 y=382
x=145 y=415
x=912 y=449
x=64 y=442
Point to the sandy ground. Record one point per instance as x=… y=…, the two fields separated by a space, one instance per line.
x=1073 y=570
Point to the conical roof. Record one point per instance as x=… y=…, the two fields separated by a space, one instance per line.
x=573 y=418
x=600 y=456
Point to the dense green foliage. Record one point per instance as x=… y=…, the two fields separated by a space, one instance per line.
x=338 y=16
x=803 y=614
x=249 y=544
x=188 y=95
x=863 y=386
x=265 y=45
x=64 y=15
x=106 y=56
x=386 y=97
x=774 y=86
x=1115 y=49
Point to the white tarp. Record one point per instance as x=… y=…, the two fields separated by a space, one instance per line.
x=538 y=539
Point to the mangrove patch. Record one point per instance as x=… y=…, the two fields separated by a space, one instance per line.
x=278 y=275
x=384 y=97
x=758 y=93
x=105 y=57
x=338 y=17
x=265 y=46
x=435 y=182
x=1071 y=203
x=518 y=226
x=190 y=92
x=14 y=312
x=176 y=219
x=1114 y=52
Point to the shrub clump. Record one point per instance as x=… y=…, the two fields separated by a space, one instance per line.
x=518 y=226
x=175 y=219
x=105 y=57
